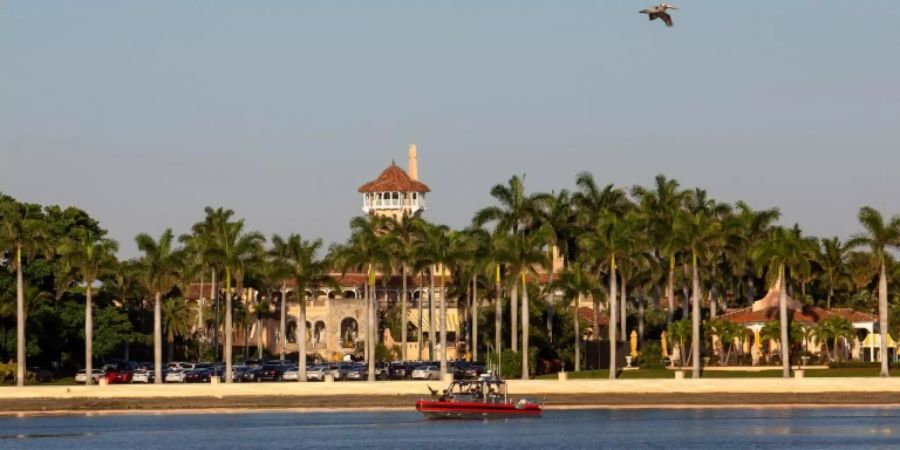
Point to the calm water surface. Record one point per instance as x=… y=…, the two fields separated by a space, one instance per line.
x=698 y=429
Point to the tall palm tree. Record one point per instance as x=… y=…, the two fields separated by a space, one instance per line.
x=22 y=235
x=610 y=240
x=524 y=254
x=406 y=231
x=88 y=257
x=832 y=260
x=662 y=204
x=575 y=282
x=442 y=248
x=699 y=234
x=231 y=248
x=159 y=267
x=880 y=235
x=307 y=270
x=515 y=214
x=781 y=251
x=279 y=265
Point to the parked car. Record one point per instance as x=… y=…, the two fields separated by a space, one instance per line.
x=199 y=375
x=144 y=376
x=119 y=371
x=399 y=370
x=236 y=373
x=174 y=376
x=426 y=372
x=81 y=377
x=463 y=370
x=291 y=374
x=316 y=373
x=251 y=374
x=357 y=374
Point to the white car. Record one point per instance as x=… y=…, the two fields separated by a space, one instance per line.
x=291 y=374
x=317 y=373
x=175 y=376
x=142 y=376
x=426 y=373
x=81 y=376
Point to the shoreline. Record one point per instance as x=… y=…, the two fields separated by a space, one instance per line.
x=42 y=407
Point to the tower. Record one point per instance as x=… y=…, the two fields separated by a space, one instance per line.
x=395 y=192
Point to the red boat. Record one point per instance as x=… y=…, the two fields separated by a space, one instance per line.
x=483 y=398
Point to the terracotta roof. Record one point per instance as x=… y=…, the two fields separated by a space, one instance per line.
x=806 y=314
x=393 y=179
x=587 y=314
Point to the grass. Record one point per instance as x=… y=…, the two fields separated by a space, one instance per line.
x=666 y=373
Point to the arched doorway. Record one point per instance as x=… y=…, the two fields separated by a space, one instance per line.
x=349 y=333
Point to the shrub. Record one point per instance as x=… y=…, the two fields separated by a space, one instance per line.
x=650 y=356
x=510 y=363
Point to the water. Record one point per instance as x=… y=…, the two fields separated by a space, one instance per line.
x=698 y=429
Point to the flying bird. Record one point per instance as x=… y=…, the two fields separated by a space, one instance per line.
x=659 y=12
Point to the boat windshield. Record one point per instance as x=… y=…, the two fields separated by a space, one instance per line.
x=485 y=389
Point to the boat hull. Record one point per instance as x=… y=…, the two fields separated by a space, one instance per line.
x=476 y=410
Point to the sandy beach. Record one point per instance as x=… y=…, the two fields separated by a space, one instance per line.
x=771 y=392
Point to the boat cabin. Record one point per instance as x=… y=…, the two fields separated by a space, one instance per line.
x=486 y=389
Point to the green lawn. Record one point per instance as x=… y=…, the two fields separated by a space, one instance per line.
x=666 y=373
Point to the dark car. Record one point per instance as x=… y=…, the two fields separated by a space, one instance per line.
x=251 y=374
x=399 y=370
x=264 y=373
x=466 y=371
x=200 y=375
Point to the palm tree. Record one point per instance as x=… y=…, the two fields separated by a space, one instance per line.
x=833 y=328
x=307 y=270
x=661 y=204
x=231 y=248
x=369 y=249
x=261 y=307
x=879 y=236
x=441 y=248
x=22 y=233
x=515 y=214
x=832 y=261
x=159 y=267
x=680 y=331
x=406 y=230
x=751 y=228
x=610 y=240
x=575 y=282
x=279 y=256
x=782 y=250
x=177 y=318
x=699 y=234
x=88 y=257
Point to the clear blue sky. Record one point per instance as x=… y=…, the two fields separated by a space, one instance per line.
x=144 y=112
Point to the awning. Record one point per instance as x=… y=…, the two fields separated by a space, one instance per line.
x=874 y=340
x=452 y=320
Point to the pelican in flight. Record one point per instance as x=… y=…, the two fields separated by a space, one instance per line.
x=659 y=12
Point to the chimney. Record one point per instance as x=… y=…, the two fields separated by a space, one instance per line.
x=413 y=168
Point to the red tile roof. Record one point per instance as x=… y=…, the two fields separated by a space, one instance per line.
x=807 y=314
x=394 y=179
x=587 y=314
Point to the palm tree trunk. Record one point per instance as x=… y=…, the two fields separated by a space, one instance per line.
x=214 y=296
x=372 y=326
x=228 y=326
x=526 y=319
x=498 y=314
x=89 y=334
x=623 y=302
x=577 y=333
x=474 y=318
x=20 y=321
x=301 y=338
x=443 y=326
x=432 y=338
x=712 y=303
x=367 y=297
x=419 y=335
x=258 y=336
x=670 y=289
x=612 y=318
x=282 y=327
x=695 y=321
x=157 y=338
x=883 y=319
x=403 y=318
x=513 y=313
x=782 y=310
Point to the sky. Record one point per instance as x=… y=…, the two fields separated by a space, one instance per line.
x=143 y=113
